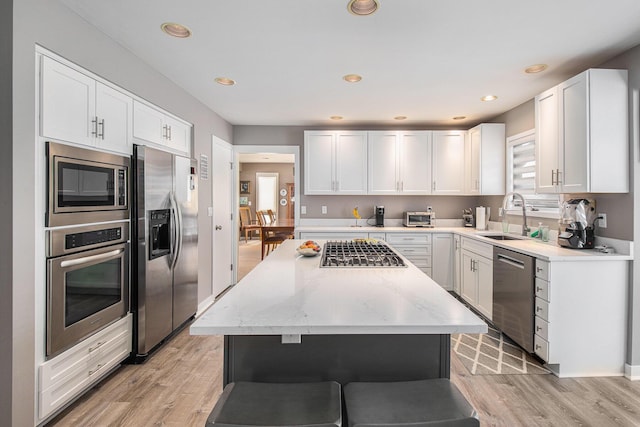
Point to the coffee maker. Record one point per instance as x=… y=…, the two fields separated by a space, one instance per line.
x=577 y=224
x=379 y=214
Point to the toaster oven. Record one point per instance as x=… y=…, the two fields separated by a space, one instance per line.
x=419 y=219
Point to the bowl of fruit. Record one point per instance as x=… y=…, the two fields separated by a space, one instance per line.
x=308 y=248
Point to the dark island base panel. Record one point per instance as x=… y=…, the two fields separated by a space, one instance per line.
x=340 y=358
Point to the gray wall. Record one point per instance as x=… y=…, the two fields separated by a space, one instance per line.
x=6 y=258
x=341 y=206
x=53 y=26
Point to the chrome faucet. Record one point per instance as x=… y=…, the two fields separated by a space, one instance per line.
x=525 y=228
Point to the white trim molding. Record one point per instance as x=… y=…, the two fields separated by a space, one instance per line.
x=632 y=372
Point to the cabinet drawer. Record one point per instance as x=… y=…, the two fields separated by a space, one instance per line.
x=414 y=251
x=409 y=238
x=480 y=248
x=71 y=361
x=377 y=236
x=542 y=269
x=542 y=328
x=542 y=309
x=420 y=262
x=541 y=347
x=426 y=271
x=542 y=289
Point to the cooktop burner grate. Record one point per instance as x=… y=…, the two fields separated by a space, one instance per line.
x=359 y=254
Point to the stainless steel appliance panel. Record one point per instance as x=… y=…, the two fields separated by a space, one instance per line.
x=153 y=289
x=85 y=186
x=85 y=292
x=185 y=271
x=513 y=295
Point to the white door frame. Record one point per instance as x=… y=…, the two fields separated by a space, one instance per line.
x=251 y=149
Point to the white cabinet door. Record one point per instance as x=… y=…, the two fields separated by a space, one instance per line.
x=442 y=266
x=148 y=123
x=351 y=163
x=473 y=161
x=383 y=173
x=457 y=264
x=114 y=110
x=547 y=140
x=484 y=273
x=573 y=157
x=179 y=136
x=469 y=282
x=448 y=162
x=67 y=103
x=415 y=163
x=318 y=162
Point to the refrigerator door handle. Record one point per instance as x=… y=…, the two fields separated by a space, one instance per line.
x=178 y=213
x=175 y=226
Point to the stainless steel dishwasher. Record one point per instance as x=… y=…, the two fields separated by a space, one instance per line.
x=513 y=295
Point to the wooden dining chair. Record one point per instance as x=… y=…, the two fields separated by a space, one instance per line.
x=247 y=224
x=269 y=239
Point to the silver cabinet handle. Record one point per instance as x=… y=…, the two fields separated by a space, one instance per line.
x=101 y=124
x=538 y=328
x=169 y=133
x=553 y=179
x=538 y=289
x=93 y=371
x=434 y=186
x=538 y=347
x=94 y=130
x=538 y=269
x=538 y=309
x=97 y=346
x=558 y=177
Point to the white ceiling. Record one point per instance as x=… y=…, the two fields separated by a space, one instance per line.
x=429 y=60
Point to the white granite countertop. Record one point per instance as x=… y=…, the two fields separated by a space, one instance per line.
x=288 y=294
x=549 y=251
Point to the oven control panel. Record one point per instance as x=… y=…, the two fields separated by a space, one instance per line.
x=88 y=238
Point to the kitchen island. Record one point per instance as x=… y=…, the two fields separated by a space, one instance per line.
x=291 y=320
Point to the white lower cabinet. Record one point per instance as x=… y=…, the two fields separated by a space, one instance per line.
x=442 y=268
x=416 y=247
x=477 y=275
x=580 y=316
x=64 y=377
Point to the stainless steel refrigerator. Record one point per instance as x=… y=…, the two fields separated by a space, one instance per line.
x=165 y=257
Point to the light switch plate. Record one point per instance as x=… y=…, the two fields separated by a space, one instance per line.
x=324 y=210
x=210 y=211
x=303 y=210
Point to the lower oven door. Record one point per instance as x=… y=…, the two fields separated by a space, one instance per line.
x=85 y=292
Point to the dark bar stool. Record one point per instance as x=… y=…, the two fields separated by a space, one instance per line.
x=249 y=404
x=425 y=403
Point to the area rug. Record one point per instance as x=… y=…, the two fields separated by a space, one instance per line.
x=493 y=354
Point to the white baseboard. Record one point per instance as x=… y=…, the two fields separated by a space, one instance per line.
x=632 y=372
x=204 y=305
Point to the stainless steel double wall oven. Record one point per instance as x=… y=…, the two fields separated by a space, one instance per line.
x=87 y=251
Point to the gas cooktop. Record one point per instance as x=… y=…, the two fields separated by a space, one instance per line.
x=359 y=254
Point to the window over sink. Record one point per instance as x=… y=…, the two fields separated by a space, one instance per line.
x=521 y=178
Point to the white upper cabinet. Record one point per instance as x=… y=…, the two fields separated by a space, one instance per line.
x=335 y=162
x=584 y=146
x=76 y=108
x=151 y=125
x=448 y=162
x=485 y=160
x=399 y=162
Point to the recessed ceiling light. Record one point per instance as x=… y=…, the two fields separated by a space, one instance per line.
x=459 y=117
x=225 y=81
x=176 y=30
x=362 y=7
x=489 y=98
x=400 y=118
x=352 y=78
x=336 y=117
x=535 y=68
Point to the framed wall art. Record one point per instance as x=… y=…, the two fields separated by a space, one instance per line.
x=245 y=187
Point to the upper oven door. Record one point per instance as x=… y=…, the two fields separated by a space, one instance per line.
x=85 y=292
x=86 y=186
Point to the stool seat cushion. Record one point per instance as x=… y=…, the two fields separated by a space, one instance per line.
x=424 y=403
x=316 y=404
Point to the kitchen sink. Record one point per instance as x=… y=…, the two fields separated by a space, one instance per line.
x=502 y=237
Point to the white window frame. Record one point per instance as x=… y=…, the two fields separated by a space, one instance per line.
x=532 y=209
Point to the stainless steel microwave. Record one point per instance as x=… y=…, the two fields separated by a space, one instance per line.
x=85 y=186
x=419 y=219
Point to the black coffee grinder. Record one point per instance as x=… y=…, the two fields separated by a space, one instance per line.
x=379 y=213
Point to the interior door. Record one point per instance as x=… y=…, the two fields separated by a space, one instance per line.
x=222 y=273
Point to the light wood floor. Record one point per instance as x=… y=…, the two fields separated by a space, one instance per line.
x=179 y=385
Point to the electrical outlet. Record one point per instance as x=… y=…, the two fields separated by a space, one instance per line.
x=303 y=210
x=324 y=210
x=602 y=222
